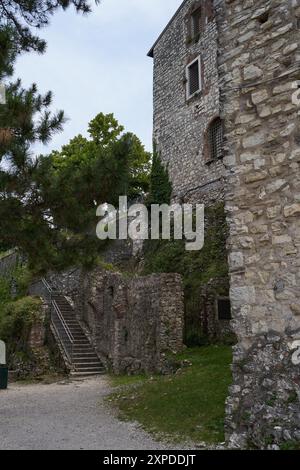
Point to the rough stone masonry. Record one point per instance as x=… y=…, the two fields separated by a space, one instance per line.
x=250 y=65
x=180 y=125
x=259 y=67
x=134 y=323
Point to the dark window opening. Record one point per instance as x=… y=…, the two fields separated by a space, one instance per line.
x=126 y=334
x=111 y=291
x=196 y=19
x=215 y=137
x=224 y=309
x=193 y=78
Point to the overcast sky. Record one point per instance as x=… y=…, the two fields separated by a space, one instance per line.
x=99 y=63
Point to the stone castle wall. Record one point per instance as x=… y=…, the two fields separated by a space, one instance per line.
x=251 y=57
x=180 y=126
x=259 y=65
x=132 y=322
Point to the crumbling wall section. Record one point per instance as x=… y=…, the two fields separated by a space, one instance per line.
x=134 y=323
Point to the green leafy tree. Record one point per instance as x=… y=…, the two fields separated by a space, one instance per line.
x=85 y=174
x=104 y=129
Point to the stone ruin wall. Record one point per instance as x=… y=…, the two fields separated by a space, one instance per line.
x=259 y=65
x=134 y=323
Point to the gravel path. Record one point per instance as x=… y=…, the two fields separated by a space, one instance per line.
x=66 y=415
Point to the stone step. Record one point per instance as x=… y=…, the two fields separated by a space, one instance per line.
x=73 y=325
x=63 y=304
x=85 y=350
x=84 y=354
x=87 y=374
x=69 y=313
x=90 y=370
x=86 y=365
x=76 y=336
x=83 y=342
x=85 y=361
x=81 y=363
x=75 y=330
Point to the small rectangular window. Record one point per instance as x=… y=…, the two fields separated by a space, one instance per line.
x=193 y=76
x=216 y=139
x=224 y=308
x=196 y=19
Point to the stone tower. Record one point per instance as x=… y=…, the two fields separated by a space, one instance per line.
x=187 y=50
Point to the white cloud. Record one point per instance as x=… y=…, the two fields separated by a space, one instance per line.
x=99 y=63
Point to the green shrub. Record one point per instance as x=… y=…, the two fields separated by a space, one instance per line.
x=23 y=277
x=16 y=320
x=4 y=292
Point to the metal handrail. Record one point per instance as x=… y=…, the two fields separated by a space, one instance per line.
x=66 y=328
x=47 y=285
x=61 y=320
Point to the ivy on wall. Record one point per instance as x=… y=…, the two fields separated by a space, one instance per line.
x=197 y=268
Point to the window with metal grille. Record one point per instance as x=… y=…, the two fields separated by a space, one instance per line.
x=193 y=76
x=215 y=136
x=196 y=18
x=224 y=308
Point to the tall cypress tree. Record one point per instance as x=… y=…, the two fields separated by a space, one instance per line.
x=160 y=184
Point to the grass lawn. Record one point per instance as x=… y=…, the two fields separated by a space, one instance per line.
x=189 y=405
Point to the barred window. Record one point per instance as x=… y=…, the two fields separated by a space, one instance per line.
x=215 y=137
x=196 y=17
x=193 y=77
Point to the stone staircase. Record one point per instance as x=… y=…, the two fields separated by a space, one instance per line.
x=81 y=354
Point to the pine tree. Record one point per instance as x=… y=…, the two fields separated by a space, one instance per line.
x=25 y=120
x=25 y=16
